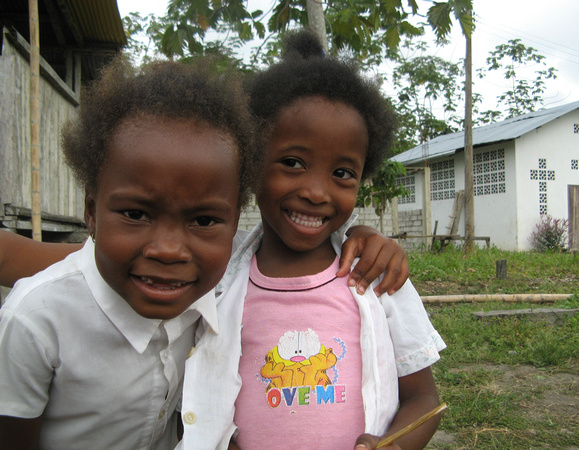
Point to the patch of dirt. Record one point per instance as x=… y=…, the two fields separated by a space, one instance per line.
x=436 y=287
x=556 y=396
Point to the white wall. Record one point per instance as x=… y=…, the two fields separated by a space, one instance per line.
x=558 y=144
x=496 y=214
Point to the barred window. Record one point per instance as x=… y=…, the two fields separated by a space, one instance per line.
x=442 y=182
x=409 y=182
x=489 y=172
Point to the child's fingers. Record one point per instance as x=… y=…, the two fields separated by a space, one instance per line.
x=397 y=272
x=369 y=267
x=349 y=252
x=368 y=441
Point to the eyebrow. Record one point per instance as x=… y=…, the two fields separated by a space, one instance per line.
x=204 y=205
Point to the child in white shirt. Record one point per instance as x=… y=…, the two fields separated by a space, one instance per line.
x=92 y=350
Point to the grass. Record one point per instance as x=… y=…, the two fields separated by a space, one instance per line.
x=510 y=382
x=528 y=272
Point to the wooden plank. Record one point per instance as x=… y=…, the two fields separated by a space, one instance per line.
x=507 y=298
x=573 y=199
x=538 y=314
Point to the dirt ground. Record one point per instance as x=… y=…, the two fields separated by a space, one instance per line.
x=557 y=397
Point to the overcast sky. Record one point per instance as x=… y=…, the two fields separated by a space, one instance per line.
x=549 y=26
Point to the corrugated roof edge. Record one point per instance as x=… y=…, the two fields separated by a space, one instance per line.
x=448 y=144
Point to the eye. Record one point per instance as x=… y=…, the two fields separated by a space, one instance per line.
x=204 y=221
x=292 y=163
x=344 y=174
x=135 y=214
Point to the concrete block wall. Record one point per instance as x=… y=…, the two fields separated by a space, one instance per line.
x=410 y=222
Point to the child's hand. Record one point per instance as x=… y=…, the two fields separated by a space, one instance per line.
x=369 y=441
x=378 y=254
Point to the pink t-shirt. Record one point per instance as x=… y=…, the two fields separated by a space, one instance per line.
x=301 y=365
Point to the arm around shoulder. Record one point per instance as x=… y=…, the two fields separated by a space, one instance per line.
x=22 y=257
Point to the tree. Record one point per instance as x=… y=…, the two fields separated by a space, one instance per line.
x=439 y=18
x=371 y=29
x=524 y=95
x=423 y=83
x=382 y=188
x=138 y=27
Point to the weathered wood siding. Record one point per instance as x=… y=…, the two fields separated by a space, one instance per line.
x=60 y=194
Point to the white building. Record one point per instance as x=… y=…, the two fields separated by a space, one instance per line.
x=524 y=168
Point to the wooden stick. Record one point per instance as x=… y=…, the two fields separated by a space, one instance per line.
x=407 y=429
x=507 y=298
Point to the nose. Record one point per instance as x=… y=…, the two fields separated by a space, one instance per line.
x=315 y=189
x=168 y=247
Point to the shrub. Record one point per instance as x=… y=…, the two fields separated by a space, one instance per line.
x=550 y=235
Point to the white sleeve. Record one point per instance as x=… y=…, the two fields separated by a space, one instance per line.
x=416 y=343
x=239 y=237
x=25 y=369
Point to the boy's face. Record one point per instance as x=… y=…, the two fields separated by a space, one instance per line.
x=165 y=212
x=312 y=172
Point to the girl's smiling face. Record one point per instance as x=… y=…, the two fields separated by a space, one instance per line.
x=312 y=171
x=164 y=212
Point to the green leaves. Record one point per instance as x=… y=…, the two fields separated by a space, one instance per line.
x=371 y=29
x=524 y=94
x=439 y=17
x=383 y=186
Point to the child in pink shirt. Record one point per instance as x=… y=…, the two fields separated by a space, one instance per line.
x=305 y=361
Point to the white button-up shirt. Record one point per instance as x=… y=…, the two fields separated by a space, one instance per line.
x=102 y=376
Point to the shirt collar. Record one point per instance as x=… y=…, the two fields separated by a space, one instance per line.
x=139 y=330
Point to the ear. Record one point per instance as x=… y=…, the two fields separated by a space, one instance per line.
x=90 y=213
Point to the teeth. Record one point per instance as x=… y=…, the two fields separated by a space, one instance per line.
x=172 y=285
x=305 y=220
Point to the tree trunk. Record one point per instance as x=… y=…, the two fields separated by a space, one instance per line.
x=35 y=119
x=317 y=21
x=468 y=153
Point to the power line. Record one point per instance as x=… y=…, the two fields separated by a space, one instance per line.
x=537 y=40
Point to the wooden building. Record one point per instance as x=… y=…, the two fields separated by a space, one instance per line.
x=76 y=38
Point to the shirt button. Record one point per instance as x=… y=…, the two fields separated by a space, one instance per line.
x=161 y=414
x=191 y=352
x=189 y=418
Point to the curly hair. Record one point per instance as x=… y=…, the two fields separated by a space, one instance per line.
x=164 y=89
x=305 y=71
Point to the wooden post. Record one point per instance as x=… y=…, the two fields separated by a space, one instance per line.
x=434 y=236
x=468 y=152
x=502 y=269
x=35 y=119
x=426 y=203
x=573 y=197
x=395 y=225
